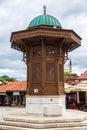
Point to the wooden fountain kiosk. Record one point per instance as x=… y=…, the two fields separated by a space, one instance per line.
x=45 y=46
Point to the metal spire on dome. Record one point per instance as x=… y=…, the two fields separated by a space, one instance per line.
x=44 y=7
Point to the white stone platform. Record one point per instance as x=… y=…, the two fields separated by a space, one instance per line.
x=20 y=120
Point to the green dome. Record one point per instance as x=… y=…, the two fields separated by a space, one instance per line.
x=45 y=20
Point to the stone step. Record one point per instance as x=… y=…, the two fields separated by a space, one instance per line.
x=44 y=126
x=71 y=120
x=70 y=128
x=4 y=127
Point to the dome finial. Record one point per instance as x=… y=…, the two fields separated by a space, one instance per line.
x=44 y=7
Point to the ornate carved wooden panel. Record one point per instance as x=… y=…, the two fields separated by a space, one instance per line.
x=36 y=51
x=50 y=50
x=50 y=88
x=36 y=72
x=50 y=72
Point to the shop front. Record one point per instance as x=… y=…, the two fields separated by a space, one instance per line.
x=16 y=98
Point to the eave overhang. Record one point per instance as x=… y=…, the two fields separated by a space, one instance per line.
x=70 y=38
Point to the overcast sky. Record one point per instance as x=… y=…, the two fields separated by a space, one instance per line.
x=16 y=15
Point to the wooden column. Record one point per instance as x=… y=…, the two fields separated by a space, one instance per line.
x=43 y=64
x=78 y=97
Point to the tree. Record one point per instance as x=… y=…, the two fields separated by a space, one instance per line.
x=7 y=78
x=69 y=74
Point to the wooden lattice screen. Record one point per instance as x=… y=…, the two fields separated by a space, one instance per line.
x=50 y=72
x=36 y=72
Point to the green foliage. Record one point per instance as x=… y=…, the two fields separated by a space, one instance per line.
x=2 y=79
x=5 y=78
x=69 y=74
x=12 y=79
x=66 y=74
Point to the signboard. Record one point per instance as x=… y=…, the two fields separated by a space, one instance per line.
x=2 y=93
x=35 y=90
x=16 y=93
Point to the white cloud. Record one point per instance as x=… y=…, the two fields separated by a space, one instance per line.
x=16 y=15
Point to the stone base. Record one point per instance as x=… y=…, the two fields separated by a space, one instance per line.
x=53 y=110
x=20 y=120
x=45 y=105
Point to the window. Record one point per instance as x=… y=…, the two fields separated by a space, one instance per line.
x=36 y=50
x=50 y=50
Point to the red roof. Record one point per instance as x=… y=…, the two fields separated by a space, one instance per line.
x=83 y=76
x=13 y=86
x=80 y=78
